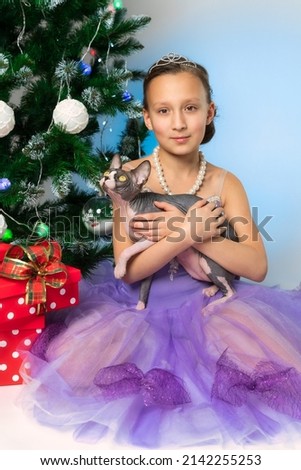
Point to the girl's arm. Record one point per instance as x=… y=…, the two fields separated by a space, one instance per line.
x=160 y=253
x=246 y=258
x=199 y=228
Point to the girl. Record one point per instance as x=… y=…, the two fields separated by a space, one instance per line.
x=179 y=109
x=168 y=375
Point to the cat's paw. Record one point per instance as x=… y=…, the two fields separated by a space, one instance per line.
x=210 y=291
x=120 y=270
x=140 y=305
x=210 y=308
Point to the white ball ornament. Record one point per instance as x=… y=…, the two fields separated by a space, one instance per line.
x=72 y=115
x=7 y=119
x=3 y=225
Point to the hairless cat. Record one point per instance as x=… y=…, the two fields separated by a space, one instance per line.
x=125 y=189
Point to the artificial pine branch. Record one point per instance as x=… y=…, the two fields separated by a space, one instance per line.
x=41 y=45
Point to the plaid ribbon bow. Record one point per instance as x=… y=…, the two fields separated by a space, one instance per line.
x=40 y=265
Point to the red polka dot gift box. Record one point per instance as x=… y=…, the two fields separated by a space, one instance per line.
x=3 y=249
x=12 y=341
x=33 y=283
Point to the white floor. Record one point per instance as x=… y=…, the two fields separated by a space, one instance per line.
x=23 y=442
x=19 y=431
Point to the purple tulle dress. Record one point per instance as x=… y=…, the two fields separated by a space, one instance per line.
x=181 y=373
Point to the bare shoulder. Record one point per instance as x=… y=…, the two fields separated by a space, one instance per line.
x=217 y=172
x=234 y=197
x=233 y=184
x=220 y=181
x=226 y=184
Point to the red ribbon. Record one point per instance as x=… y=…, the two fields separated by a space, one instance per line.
x=39 y=264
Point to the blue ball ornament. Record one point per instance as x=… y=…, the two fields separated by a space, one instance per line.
x=85 y=69
x=5 y=184
x=126 y=96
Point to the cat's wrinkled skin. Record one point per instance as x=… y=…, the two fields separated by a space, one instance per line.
x=124 y=188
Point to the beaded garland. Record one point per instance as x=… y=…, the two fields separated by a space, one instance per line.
x=159 y=170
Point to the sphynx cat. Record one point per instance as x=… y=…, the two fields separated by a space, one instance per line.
x=125 y=190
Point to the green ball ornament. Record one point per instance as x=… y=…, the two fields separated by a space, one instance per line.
x=97 y=215
x=7 y=236
x=42 y=230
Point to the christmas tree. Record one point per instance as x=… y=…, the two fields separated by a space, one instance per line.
x=62 y=73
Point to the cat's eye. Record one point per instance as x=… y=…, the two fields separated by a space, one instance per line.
x=122 y=178
x=106 y=173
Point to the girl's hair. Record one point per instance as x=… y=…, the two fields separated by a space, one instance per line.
x=172 y=64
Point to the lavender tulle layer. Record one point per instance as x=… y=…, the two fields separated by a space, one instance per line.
x=183 y=372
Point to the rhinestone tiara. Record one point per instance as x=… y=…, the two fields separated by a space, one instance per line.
x=172 y=58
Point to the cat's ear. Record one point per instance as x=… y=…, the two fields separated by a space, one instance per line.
x=142 y=172
x=115 y=162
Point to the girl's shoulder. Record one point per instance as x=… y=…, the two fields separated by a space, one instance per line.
x=219 y=176
x=220 y=183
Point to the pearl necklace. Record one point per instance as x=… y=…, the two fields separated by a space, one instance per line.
x=199 y=179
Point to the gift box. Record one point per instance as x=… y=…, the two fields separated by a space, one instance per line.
x=3 y=249
x=12 y=342
x=16 y=312
x=28 y=293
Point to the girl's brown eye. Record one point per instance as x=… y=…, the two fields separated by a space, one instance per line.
x=122 y=178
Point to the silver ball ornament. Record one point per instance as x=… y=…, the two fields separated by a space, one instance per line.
x=97 y=216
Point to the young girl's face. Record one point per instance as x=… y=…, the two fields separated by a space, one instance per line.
x=178 y=111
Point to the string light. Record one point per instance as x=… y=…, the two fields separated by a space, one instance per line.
x=118 y=4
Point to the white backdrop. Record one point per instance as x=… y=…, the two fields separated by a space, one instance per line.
x=251 y=49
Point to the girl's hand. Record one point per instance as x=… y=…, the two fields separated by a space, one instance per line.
x=156 y=225
x=204 y=221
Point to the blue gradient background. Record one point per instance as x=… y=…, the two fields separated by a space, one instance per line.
x=252 y=50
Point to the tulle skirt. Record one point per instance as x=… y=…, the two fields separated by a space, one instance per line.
x=186 y=371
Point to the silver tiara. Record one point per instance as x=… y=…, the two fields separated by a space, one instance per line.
x=173 y=58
